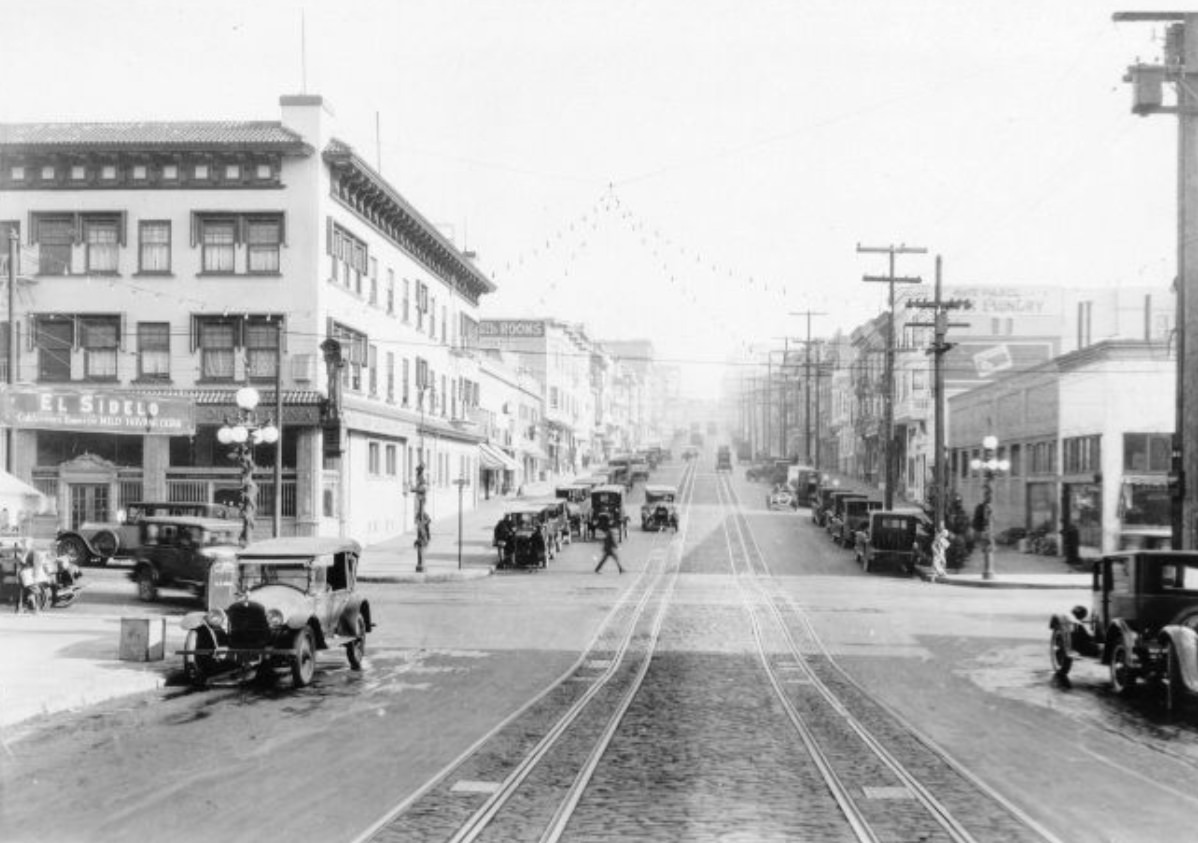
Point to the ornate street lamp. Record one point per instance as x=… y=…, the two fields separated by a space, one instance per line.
x=420 y=487
x=245 y=432
x=989 y=465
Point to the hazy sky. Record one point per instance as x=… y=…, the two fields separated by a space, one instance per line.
x=686 y=170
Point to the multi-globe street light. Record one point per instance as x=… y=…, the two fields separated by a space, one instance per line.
x=244 y=433
x=990 y=466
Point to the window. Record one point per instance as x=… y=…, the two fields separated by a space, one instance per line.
x=201 y=171
x=1084 y=314
x=47 y=173
x=17 y=173
x=153 y=350
x=108 y=172
x=407 y=300
x=100 y=240
x=391 y=377
x=100 y=339
x=432 y=319
x=78 y=172
x=354 y=349
x=372 y=366
x=54 y=339
x=216 y=350
x=264 y=236
x=373 y=457
x=374 y=281
x=1082 y=454
x=218 y=239
x=444 y=324
x=444 y=397
x=55 y=236
x=1016 y=460
x=553 y=397
x=390 y=292
x=170 y=171
x=232 y=171
x=154 y=247
x=1147 y=452
x=262 y=348
x=405 y=382
x=264 y=171
x=349 y=256
x=139 y=172
x=392 y=461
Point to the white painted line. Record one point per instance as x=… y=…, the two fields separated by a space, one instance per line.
x=887 y=793
x=467 y=786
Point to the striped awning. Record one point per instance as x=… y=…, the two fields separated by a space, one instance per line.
x=494 y=459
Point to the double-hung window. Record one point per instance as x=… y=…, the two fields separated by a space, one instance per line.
x=100 y=340
x=264 y=236
x=100 y=239
x=153 y=350
x=218 y=239
x=55 y=337
x=154 y=247
x=406 y=389
x=391 y=377
x=390 y=292
x=217 y=344
x=407 y=300
x=55 y=235
x=262 y=348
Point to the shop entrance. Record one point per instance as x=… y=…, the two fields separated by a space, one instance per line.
x=89 y=502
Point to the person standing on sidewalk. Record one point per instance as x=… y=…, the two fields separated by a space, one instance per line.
x=609 y=551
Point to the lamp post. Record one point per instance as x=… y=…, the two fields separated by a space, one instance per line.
x=420 y=489
x=989 y=465
x=244 y=433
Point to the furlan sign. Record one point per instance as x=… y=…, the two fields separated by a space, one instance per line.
x=98 y=412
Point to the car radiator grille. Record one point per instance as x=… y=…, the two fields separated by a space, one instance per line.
x=247 y=626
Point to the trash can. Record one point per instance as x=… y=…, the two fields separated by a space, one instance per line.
x=143 y=639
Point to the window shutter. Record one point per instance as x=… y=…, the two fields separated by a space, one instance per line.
x=195 y=333
x=283 y=228
x=195 y=229
x=121 y=225
x=121 y=332
x=328 y=235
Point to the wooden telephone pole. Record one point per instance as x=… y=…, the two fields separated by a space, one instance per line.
x=807 y=382
x=888 y=421
x=938 y=349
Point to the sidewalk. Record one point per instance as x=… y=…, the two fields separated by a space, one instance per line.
x=1012 y=569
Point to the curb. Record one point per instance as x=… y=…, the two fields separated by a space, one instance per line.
x=1050 y=581
x=428 y=576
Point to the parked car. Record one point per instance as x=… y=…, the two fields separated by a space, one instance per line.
x=826 y=500
x=105 y=540
x=1142 y=623
x=556 y=518
x=177 y=551
x=889 y=541
x=723 y=459
x=607 y=510
x=854 y=518
x=639 y=470
x=292 y=597
x=835 y=517
x=577 y=496
x=659 y=511
x=522 y=537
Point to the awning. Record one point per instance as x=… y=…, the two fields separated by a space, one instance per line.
x=495 y=459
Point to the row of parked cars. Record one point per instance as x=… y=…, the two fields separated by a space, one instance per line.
x=880 y=539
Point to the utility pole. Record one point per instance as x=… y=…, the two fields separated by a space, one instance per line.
x=888 y=420
x=1181 y=53
x=938 y=349
x=13 y=255
x=807 y=382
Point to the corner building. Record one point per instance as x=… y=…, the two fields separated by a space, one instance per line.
x=166 y=265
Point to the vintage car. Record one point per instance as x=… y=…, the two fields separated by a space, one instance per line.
x=290 y=597
x=854 y=518
x=835 y=516
x=659 y=511
x=638 y=470
x=522 y=538
x=178 y=551
x=825 y=501
x=607 y=511
x=1142 y=623
x=577 y=496
x=619 y=471
x=780 y=497
x=889 y=540
x=759 y=471
x=104 y=540
x=723 y=459
x=556 y=518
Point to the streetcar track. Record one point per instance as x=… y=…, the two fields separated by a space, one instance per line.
x=779 y=604
x=478 y=821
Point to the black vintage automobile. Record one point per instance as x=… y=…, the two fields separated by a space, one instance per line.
x=821 y=509
x=177 y=552
x=659 y=511
x=854 y=517
x=835 y=514
x=1142 y=623
x=285 y=599
x=522 y=538
x=577 y=496
x=889 y=540
x=607 y=511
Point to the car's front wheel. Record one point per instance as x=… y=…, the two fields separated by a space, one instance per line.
x=355 y=651
x=74 y=549
x=1123 y=677
x=1058 y=653
x=303 y=659
x=197 y=668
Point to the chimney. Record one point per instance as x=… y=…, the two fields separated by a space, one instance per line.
x=304 y=113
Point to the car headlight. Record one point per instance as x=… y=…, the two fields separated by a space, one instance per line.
x=274 y=618
x=217 y=619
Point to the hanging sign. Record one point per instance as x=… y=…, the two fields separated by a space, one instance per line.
x=49 y=408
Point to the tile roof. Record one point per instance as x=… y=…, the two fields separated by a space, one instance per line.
x=215 y=134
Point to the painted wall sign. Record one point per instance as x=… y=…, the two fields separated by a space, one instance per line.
x=48 y=408
x=511 y=328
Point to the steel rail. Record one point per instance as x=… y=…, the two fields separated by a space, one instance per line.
x=853 y=815
x=486 y=813
x=443 y=775
x=933 y=805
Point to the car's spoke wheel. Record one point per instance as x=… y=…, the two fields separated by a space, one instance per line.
x=1174 y=686
x=74 y=549
x=106 y=544
x=1123 y=678
x=147 y=586
x=303 y=659
x=355 y=651
x=197 y=669
x=1058 y=653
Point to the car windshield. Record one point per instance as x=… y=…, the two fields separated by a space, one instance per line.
x=257 y=574
x=212 y=538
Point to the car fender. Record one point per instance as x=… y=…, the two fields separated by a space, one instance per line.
x=346 y=624
x=1185 y=645
x=75 y=534
x=193 y=620
x=1120 y=632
